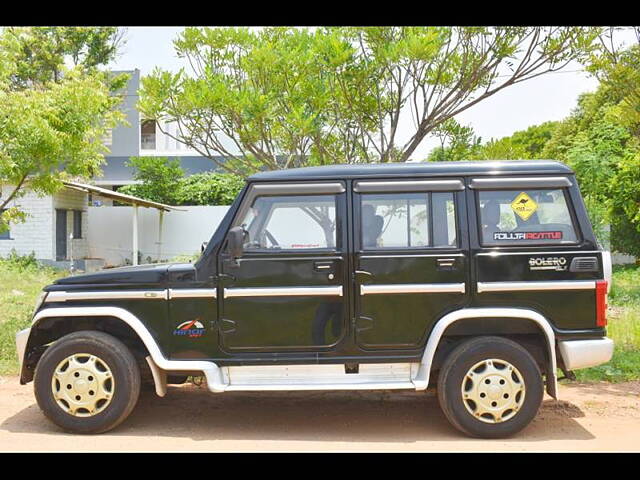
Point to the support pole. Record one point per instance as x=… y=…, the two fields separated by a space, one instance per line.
x=161 y=213
x=134 y=257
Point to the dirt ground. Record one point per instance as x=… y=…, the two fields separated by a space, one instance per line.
x=594 y=417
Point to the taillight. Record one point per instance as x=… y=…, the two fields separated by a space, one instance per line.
x=601 y=303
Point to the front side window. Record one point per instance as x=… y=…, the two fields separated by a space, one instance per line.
x=295 y=222
x=525 y=217
x=407 y=220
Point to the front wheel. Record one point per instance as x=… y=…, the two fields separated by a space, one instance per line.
x=490 y=387
x=87 y=382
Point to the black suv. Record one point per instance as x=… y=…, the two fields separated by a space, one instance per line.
x=480 y=279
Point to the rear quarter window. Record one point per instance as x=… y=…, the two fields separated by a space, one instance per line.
x=526 y=217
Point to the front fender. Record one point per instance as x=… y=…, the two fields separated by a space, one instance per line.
x=210 y=369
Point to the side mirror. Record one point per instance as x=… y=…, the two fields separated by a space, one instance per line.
x=235 y=241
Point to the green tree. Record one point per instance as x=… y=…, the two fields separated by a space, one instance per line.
x=159 y=176
x=209 y=189
x=162 y=180
x=42 y=51
x=285 y=97
x=457 y=142
x=52 y=119
x=600 y=140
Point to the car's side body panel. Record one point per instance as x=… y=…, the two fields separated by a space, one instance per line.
x=352 y=304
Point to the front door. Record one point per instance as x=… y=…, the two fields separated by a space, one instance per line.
x=411 y=259
x=61 y=234
x=287 y=291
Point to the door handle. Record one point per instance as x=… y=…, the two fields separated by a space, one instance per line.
x=446 y=263
x=323 y=267
x=362 y=275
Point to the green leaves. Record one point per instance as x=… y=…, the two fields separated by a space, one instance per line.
x=163 y=180
x=292 y=97
x=52 y=119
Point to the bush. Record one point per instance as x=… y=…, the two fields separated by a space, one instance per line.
x=163 y=181
x=209 y=189
x=19 y=262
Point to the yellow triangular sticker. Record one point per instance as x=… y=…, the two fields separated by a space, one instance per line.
x=524 y=206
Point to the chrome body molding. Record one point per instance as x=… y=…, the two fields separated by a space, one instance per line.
x=529 y=286
x=106 y=295
x=367 y=186
x=413 y=288
x=421 y=379
x=519 y=182
x=210 y=370
x=499 y=253
x=21 y=344
x=333 y=291
x=307 y=188
x=192 y=293
x=578 y=354
x=415 y=255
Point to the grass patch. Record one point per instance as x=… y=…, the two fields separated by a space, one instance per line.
x=623 y=367
x=21 y=282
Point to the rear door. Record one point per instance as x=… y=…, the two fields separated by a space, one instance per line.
x=411 y=253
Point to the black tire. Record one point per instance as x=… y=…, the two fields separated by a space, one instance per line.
x=113 y=353
x=454 y=371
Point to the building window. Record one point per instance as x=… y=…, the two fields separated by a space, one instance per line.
x=77 y=224
x=148 y=135
x=4 y=234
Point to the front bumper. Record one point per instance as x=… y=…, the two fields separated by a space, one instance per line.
x=21 y=344
x=578 y=354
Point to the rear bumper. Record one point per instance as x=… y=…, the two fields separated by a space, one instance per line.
x=21 y=344
x=578 y=354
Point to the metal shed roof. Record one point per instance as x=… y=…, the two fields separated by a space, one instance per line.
x=120 y=197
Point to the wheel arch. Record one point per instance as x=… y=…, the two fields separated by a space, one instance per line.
x=529 y=322
x=50 y=324
x=74 y=318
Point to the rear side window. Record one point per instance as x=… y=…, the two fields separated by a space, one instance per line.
x=407 y=220
x=525 y=217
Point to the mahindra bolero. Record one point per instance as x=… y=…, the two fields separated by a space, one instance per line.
x=479 y=279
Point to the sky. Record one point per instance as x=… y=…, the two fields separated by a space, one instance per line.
x=548 y=97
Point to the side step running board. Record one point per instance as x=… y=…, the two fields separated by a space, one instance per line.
x=320 y=386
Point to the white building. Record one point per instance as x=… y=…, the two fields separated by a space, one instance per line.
x=50 y=221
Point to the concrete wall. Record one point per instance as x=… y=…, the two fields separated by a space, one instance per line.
x=125 y=140
x=35 y=234
x=111 y=232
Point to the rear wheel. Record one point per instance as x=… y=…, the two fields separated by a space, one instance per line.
x=87 y=382
x=490 y=387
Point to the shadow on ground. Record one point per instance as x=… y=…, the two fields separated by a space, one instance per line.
x=389 y=417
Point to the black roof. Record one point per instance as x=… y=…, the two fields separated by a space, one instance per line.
x=418 y=169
